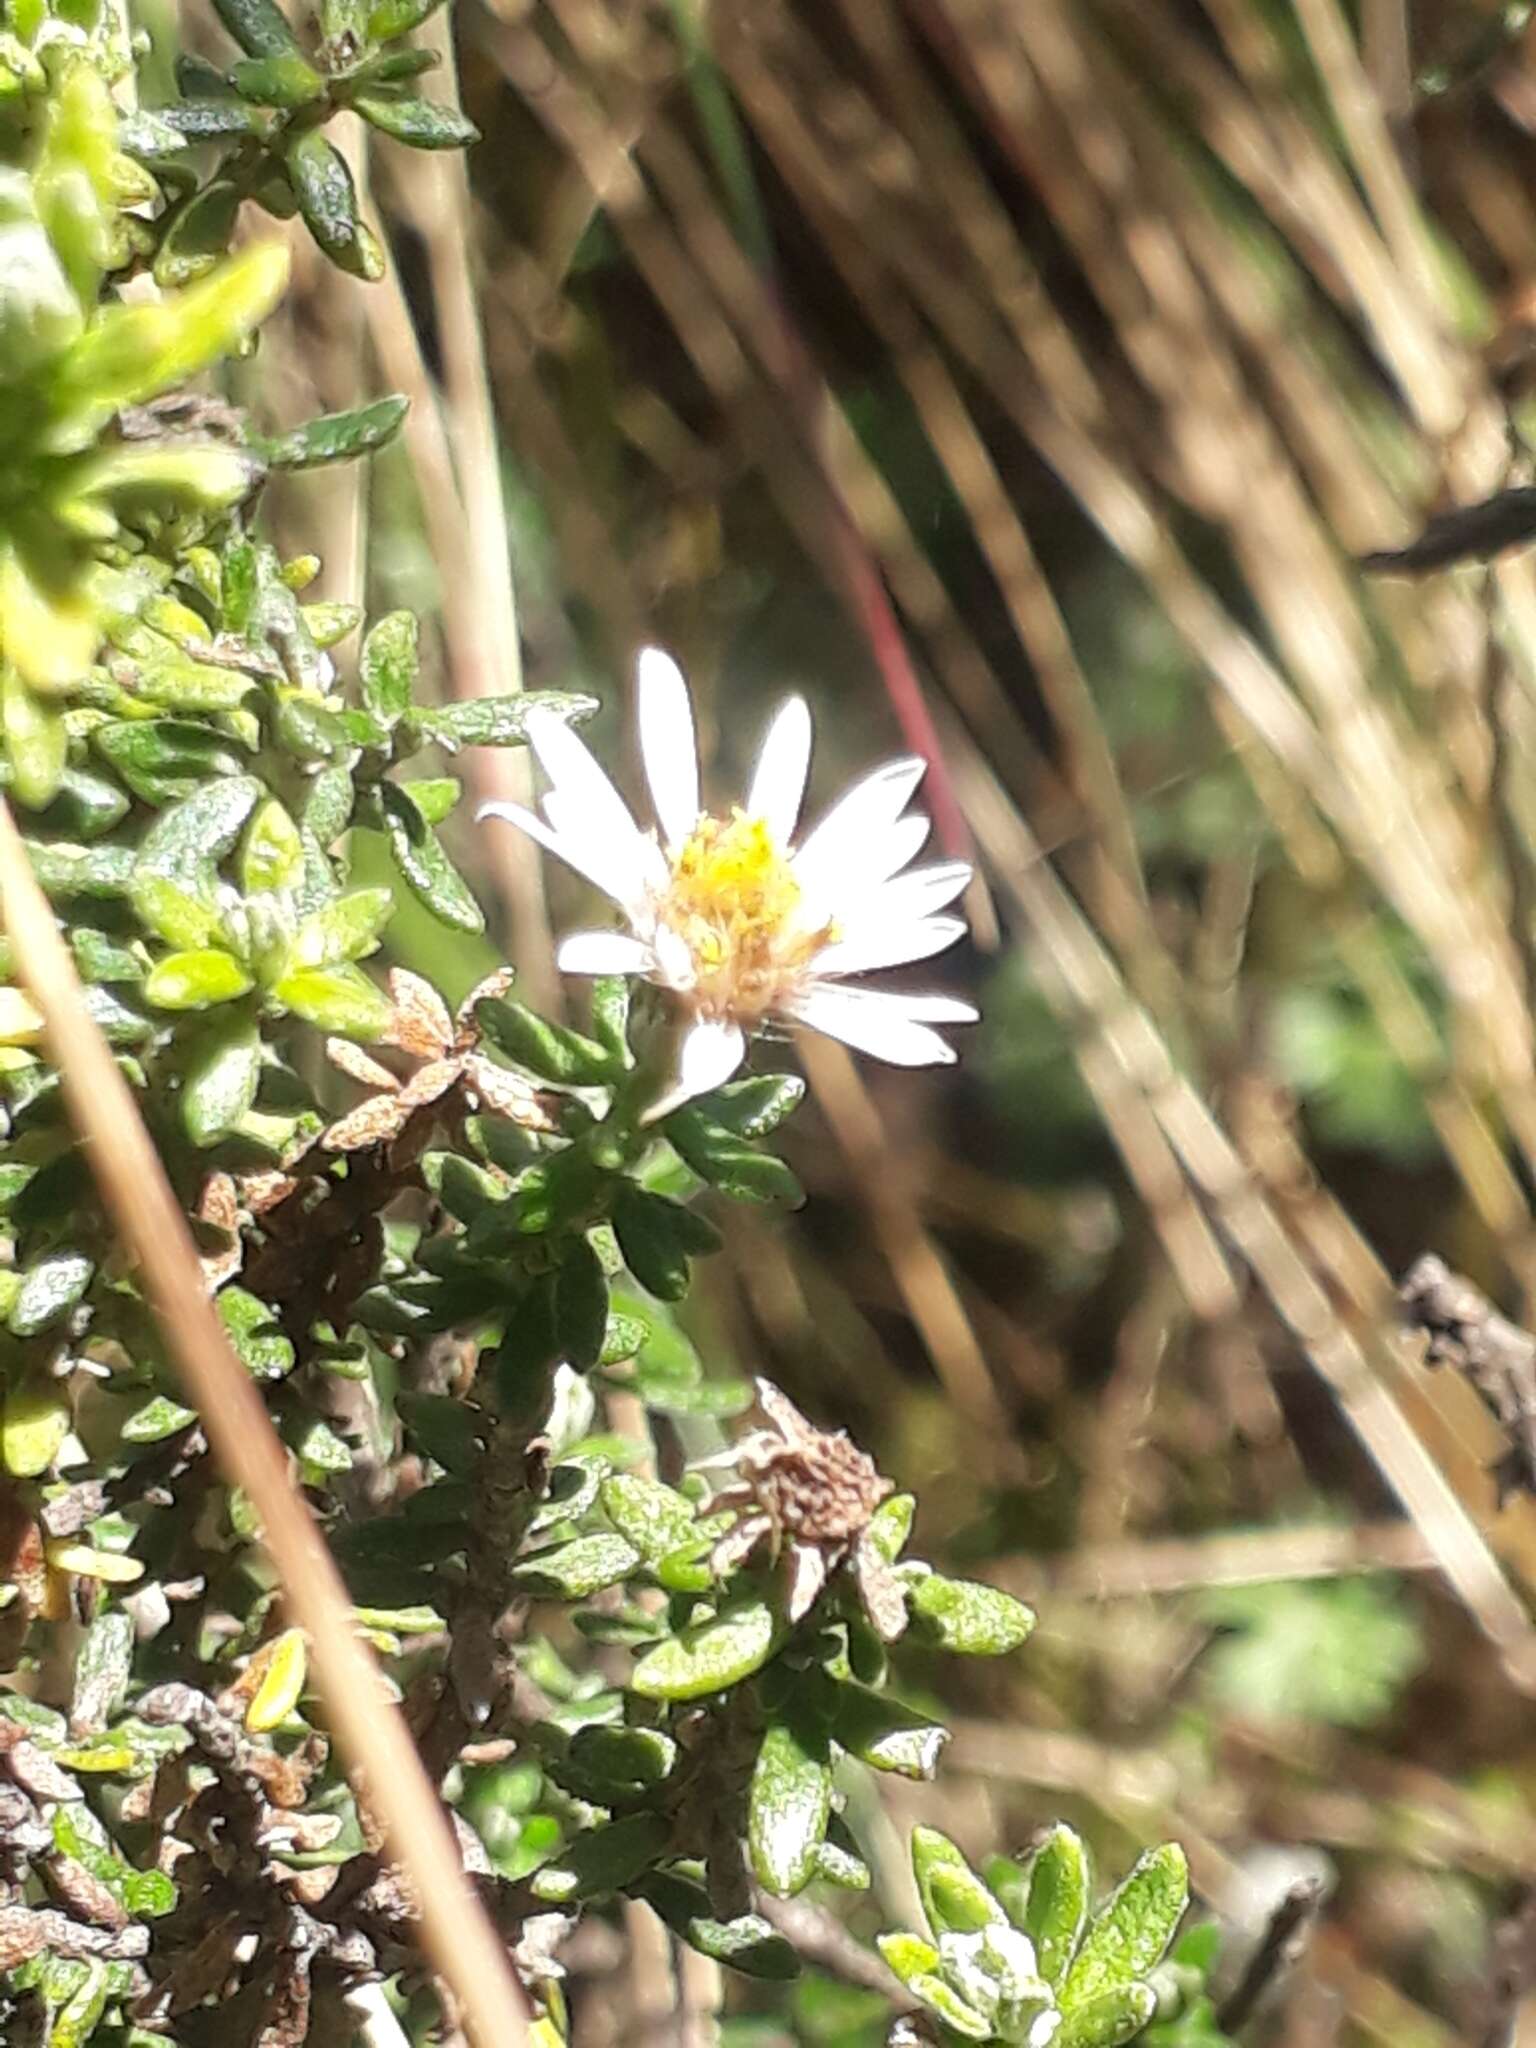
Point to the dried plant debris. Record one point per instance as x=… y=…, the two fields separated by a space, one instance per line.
x=811 y=1495
x=1466 y=1332
x=1471 y=533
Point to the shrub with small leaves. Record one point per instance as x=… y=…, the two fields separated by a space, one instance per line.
x=436 y=1237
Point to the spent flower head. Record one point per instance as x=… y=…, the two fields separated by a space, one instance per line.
x=726 y=912
x=812 y=1494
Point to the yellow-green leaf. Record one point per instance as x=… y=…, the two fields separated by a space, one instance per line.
x=285 y=1665
x=195 y=980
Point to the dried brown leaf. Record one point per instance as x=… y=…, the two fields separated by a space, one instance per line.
x=351 y=1060
x=422 y=1024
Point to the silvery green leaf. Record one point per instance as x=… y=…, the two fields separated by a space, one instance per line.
x=1129 y=1934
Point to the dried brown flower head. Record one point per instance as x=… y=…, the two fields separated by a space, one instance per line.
x=810 y=1493
x=448 y=1048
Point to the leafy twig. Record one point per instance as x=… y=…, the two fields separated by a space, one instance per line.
x=138 y=1194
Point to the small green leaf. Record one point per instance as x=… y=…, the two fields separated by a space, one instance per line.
x=86 y=806
x=418 y=123
x=433 y=795
x=186 y=842
x=198 y=232
x=610 y=1016
x=272 y=853
x=622 y=1339
x=103 y=1666
x=101 y=872
x=497 y=721
x=607 y=1765
x=970 y=1619
x=725 y=1163
x=952 y=2009
x=747 y=1944
x=1112 y=2017
x=36 y=741
x=181 y=685
x=650 y=1515
x=284 y=80
x=464 y=1189
x=1051 y=1905
x=159 y=1418
x=49 y=1290
x=581 y=1304
x=317 y=1445
x=657 y=1237
x=328 y=806
x=74 y=2020
x=258 y=26
x=422 y=861
x=388 y=19
x=329 y=624
x=908 y=1956
x=188 y=922
x=754 y=1107
x=257 y=1335
x=34 y=1427
x=709 y=1656
x=954 y=1898
x=548 y=1050
x=890 y=1526
x=881 y=1732
x=581 y=1567
x=337 y=999
x=839 y=1866
x=529 y=1346
x=220 y=1078
x=444 y=1428
x=118 y=1024
x=607 y=1859
x=204 y=118
x=345 y=929
x=1129 y=1934
x=102 y=959
x=164 y=759
x=195 y=980
x=389 y=666
x=789 y=1805
x=327 y=198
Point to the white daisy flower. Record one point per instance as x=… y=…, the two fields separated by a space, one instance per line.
x=727 y=913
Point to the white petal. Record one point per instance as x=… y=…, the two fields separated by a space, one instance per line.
x=839 y=892
x=861 y=815
x=668 y=746
x=582 y=851
x=674 y=962
x=778 y=780
x=710 y=1054
x=918 y=893
x=883 y=1025
x=879 y=944
x=929 y=1009
x=632 y=870
x=807 y=1577
x=603 y=953
x=586 y=809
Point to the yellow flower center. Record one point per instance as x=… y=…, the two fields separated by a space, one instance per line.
x=735 y=903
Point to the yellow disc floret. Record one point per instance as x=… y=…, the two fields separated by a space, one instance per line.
x=734 y=901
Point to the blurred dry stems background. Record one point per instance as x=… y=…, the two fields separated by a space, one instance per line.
x=1021 y=378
